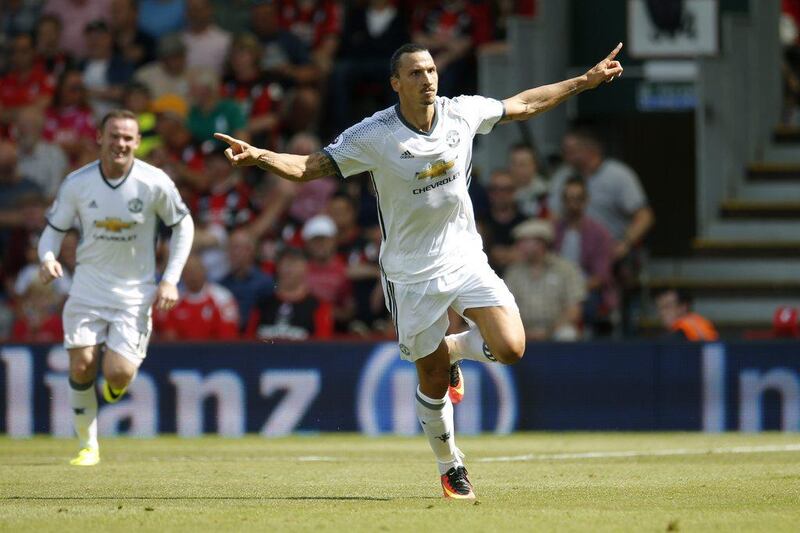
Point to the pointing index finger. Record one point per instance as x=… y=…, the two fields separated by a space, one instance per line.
x=614 y=52
x=227 y=138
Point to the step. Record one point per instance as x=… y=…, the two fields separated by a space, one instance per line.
x=744 y=248
x=760 y=209
x=724 y=268
x=756 y=310
x=769 y=190
x=754 y=230
x=786 y=134
x=782 y=153
x=765 y=171
x=730 y=288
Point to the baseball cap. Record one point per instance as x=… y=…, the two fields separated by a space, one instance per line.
x=319 y=226
x=534 y=229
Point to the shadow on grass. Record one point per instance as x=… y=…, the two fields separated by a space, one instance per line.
x=212 y=498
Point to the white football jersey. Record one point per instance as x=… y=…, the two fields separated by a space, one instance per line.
x=421 y=181
x=117 y=221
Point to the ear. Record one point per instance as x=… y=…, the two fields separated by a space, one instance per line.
x=395 y=84
x=99 y=137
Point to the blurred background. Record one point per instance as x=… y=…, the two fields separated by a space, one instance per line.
x=659 y=209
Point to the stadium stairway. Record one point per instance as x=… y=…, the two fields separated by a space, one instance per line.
x=747 y=263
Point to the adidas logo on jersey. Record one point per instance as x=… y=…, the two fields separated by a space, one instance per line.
x=406 y=155
x=92 y=204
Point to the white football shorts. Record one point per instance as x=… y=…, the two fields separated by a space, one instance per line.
x=419 y=309
x=125 y=331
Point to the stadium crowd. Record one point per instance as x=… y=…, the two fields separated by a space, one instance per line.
x=274 y=259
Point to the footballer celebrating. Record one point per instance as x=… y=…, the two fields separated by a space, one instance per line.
x=419 y=156
x=115 y=202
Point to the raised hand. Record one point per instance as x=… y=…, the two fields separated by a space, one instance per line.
x=606 y=70
x=239 y=153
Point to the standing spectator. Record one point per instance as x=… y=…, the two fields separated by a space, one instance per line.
x=503 y=215
x=158 y=18
x=327 y=271
x=585 y=242
x=42 y=162
x=549 y=290
x=136 y=46
x=205 y=310
x=317 y=24
x=209 y=113
x=25 y=84
x=371 y=33
x=13 y=189
x=48 y=46
x=169 y=74
x=531 y=194
x=74 y=16
x=206 y=43
x=69 y=122
x=136 y=98
x=245 y=281
x=675 y=311
x=616 y=197
x=310 y=198
x=292 y=312
x=105 y=72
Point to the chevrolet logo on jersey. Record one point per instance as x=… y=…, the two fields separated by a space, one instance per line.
x=113 y=224
x=435 y=169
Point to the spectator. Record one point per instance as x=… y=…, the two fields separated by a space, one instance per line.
x=245 y=281
x=446 y=29
x=38 y=314
x=168 y=74
x=48 y=46
x=18 y=16
x=74 y=16
x=105 y=72
x=327 y=271
x=585 y=242
x=13 y=186
x=41 y=161
x=136 y=98
x=549 y=290
x=30 y=272
x=205 y=310
x=675 y=311
x=616 y=197
x=371 y=34
x=158 y=18
x=503 y=215
x=69 y=122
x=317 y=24
x=292 y=312
x=207 y=44
x=136 y=46
x=209 y=113
x=310 y=198
x=531 y=194
x=26 y=83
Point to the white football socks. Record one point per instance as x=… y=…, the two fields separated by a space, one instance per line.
x=469 y=345
x=436 y=417
x=83 y=400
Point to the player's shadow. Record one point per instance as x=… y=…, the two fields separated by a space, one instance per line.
x=252 y=498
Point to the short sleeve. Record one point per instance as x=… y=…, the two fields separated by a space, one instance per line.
x=356 y=149
x=631 y=194
x=169 y=204
x=61 y=215
x=480 y=112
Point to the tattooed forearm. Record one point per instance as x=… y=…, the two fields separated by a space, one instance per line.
x=296 y=167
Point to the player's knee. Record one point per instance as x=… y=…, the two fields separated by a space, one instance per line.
x=81 y=371
x=118 y=378
x=509 y=351
x=434 y=383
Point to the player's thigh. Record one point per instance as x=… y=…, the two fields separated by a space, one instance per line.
x=419 y=312
x=128 y=338
x=502 y=331
x=83 y=363
x=118 y=370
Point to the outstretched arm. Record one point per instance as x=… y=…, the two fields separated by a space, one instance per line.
x=540 y=99
x=289 y=166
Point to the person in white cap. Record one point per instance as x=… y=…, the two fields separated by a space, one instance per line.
x=419 y=156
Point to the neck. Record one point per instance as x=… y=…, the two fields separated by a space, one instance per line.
x=591 y=167
x=419 y=116
x=573 y=220
x=113 y=171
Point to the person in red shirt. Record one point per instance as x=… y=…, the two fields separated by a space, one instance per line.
x=26 y=83
x=38 y=316
x=317 y=24
x=292 y=312
x=205 y=310
x=69 y=122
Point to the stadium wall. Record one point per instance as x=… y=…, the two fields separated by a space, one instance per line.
x=277 y=389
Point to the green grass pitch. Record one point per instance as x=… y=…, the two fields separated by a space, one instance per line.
x=524 y=482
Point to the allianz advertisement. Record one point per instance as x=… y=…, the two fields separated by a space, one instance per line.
x=278 y=389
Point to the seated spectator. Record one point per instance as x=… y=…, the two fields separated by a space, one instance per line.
x=675 y=311
x=69 y=122
x=327 y=272
x=41 y=161
x=136 y=98
x=14 y=188
x=246 y=281
x=105 y=72
x=786 y=322
x=136 y=46
x=310 y=198
x=258 y=96
x=169 y=74
x=503 y=215
x=317 y=24
x=585 y=242
x=48 y=46
x=205 y=310
x=292 y=312
x=74 y=16
x=207 y=44
x=26 y=83
x=18 y=16
x=209 y=113
x=158 y=18
x=30 y=272
x=38 y=314
x=531 y=193
x=549 y=290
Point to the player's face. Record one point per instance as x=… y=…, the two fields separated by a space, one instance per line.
x=417 y=79
x=119 y=140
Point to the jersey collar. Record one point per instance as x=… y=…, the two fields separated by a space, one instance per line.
x=414 y=128
x=124 y=178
